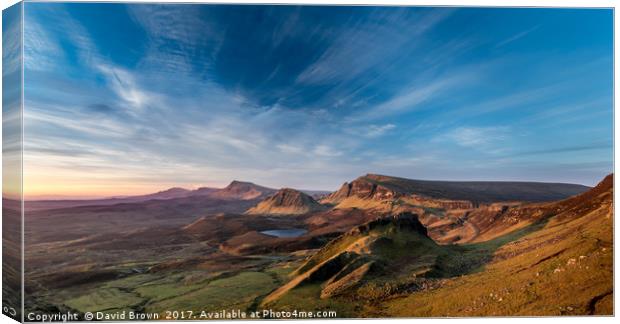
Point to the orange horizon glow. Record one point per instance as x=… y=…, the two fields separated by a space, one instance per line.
x=38 y=191
x=49 y=178
x=52 y=186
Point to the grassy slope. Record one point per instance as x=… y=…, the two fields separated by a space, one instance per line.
x=195 y=290
x=104 y=299
x=407 y=252
x=564 y=268
x=236 y=292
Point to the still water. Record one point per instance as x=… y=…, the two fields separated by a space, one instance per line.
x=292 y=232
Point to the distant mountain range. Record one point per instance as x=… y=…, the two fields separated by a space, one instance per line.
x=370 y=185
x=236 y=190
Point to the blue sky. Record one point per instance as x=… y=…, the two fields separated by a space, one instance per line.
x=11 y=102
x=132 y=98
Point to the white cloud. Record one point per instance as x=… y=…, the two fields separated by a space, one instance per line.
x=326 y=151
x=86 y=125
x=376 y=131
x=482 y=138
x=370 y=131
x=125 y=86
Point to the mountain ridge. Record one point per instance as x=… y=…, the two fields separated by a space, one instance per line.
x=236 y=190
x=286 y=201
x=378 y=187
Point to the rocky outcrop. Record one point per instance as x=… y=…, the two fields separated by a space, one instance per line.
x=364 y=188
x=404 y=220
x=286 y=202
x=440 y=203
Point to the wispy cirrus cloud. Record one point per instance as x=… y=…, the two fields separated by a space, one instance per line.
x=11 y=42
x=517 y=36
x=297 y=96
x=40 y=53
x=174 y=45
x=354 y=51
x=412 y=98
x=126 y=88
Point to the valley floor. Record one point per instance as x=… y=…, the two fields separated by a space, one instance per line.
x=555 y=259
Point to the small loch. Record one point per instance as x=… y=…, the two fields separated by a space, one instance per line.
x=291 y=232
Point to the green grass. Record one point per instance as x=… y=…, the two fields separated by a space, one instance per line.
x=164 y=291
x=104 y=299
x=281 y=272
x=173 y=285
x=179 y=290
x=236 y=292
x=306 y=298
x=131 y=281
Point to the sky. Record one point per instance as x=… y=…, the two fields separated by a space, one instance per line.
x=126 y=99
x=11 y=103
